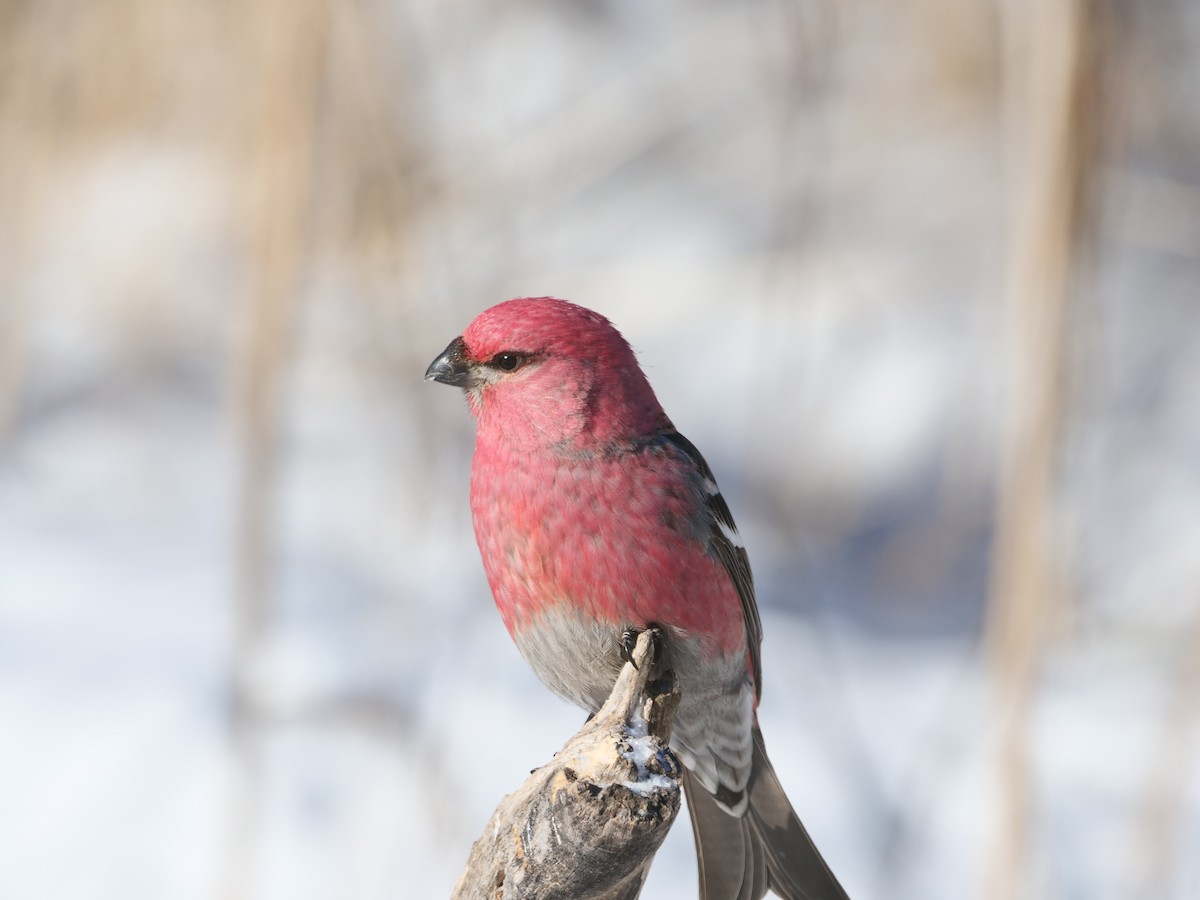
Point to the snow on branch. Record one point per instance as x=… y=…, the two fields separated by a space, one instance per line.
x=586 y=825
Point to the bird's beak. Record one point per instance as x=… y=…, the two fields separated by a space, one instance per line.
x=452 y=367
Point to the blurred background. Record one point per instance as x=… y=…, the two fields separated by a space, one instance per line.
x=920 y=278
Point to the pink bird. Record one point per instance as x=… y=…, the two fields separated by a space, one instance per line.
x=595 y=518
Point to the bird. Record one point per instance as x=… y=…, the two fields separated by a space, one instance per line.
x=595 y=518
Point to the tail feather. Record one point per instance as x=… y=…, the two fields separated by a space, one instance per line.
x=797 y=869
x=767 y=848
x=732 y=863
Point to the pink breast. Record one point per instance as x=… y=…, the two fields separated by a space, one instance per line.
x=617 y=538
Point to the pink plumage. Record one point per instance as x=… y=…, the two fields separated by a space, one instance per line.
x=594 y=516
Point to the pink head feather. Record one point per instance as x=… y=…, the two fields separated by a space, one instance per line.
x=582 y=386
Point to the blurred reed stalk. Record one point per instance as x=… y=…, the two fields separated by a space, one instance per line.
x=1050 y=55
x=17 y=96
x=288 y=41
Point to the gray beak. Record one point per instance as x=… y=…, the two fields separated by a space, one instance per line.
x=452 y=367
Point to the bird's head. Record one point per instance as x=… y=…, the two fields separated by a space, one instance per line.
x=541 y=371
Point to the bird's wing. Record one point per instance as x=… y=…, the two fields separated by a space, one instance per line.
x=725 y=544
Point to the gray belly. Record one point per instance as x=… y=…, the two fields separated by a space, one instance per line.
x=579 y=659
x=576 y=658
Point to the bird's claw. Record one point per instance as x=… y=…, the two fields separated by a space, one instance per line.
x=629 y=639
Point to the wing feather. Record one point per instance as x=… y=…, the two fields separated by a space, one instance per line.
x=726 y=545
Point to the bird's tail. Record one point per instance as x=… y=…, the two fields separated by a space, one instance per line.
x=741 y=858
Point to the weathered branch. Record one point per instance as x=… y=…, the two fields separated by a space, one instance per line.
x=586 y=825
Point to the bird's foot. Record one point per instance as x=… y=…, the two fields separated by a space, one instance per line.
x=629 y=640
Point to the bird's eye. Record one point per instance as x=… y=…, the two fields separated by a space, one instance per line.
x=507 y=361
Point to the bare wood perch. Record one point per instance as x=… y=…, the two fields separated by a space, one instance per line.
x=586 y=825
